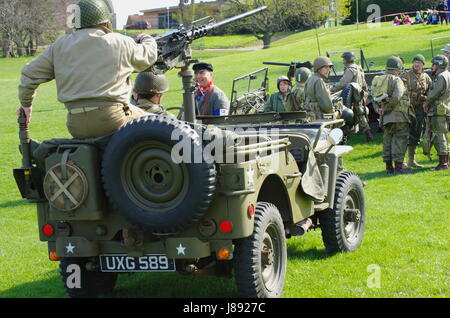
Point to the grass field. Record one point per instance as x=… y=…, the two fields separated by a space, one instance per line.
x=408 y=217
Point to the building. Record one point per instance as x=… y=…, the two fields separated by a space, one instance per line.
x=161 y=18
x=166 y=17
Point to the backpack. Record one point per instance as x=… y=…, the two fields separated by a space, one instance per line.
x=380 y=88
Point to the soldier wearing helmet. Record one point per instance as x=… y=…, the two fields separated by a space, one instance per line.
x=417 y=83
x=318 y=99
x=446 y=51
x=437 y=109
x=276 y=102
x=395 y=113
x=296 y=98
x=91 y=67
x=353 y=73
x=148 y=92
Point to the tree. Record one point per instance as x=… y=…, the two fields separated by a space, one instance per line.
x=281 y=15
x=26 y=22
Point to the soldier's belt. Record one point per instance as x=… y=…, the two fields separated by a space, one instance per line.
x=82 y=110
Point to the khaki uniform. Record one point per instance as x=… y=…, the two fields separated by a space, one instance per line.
x=417 y=85
x=396 y=120
x=317 y=97
x=212 y=102
x=275 y=103
x=355 y=74
x=296 y=99
x=92 y=70
x=438 y=100
x=153 y=108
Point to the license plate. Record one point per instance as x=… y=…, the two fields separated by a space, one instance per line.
x=146 y=263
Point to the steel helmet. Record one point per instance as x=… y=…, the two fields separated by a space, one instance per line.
x=302 y=74
x=94 y=12
x=320 y=62
x=281 y=79
x=394 y=63
x=440 y=61
x=349 y=57
x=151 y=83
x=419 y=58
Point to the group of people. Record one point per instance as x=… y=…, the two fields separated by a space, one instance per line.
x=439 y=15
x=94 y=85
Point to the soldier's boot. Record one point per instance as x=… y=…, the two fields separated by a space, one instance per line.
x=369 y=136
x=412 y=158
x=443 y=163
x=389 y=167
x=401 y=168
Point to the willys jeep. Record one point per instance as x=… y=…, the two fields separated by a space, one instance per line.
x=207 y=195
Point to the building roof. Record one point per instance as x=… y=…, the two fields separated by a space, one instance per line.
x=160 y=9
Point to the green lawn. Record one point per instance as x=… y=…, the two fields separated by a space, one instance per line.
x=408 y=217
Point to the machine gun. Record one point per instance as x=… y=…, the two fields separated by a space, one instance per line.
x=173 y=46
x=293 y=66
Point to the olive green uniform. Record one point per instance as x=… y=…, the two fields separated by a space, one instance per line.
x=92 y=70
x=296 y=99
x=396 y=120
x=276 y=103
x=152 y=108
x=438 y=101
x=355 y=74
x=417 y=85
x=318 y=99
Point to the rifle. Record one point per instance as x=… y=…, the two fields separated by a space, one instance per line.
x=174 y=46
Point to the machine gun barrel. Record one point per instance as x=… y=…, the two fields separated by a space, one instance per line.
x=297 y=64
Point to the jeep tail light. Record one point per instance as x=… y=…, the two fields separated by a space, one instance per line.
x=226 y=226
x=53 y=257
x=251 y=210
x=48 y=230
x=223 y=253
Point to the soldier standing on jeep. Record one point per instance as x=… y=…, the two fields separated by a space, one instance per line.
x=91 y=67
x=318 y=98
x=395 y=119
x=353 y=73
x=417 y=83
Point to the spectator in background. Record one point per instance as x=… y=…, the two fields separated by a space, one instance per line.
x=418 y=18
x=442 y=6
x=407 y=20
x=435 y=17
x=448 y=8
x=397 y=21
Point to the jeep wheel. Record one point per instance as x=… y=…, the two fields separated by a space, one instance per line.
x=91 y=284
x=343 y=226
x=260 y=259
x=146 y=185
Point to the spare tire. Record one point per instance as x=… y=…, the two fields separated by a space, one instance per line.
x=146 y=185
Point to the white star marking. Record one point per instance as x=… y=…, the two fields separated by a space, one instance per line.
x=250 y=173
x=70 y=248
x=180 y=250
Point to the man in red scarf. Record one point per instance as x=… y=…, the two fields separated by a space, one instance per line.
x=210 y=100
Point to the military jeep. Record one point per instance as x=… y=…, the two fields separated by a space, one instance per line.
x=126 y=203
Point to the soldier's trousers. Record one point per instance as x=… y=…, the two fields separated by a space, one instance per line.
x=436 y=130
x=417 y=126
x=395 y=141
x=102 y=121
